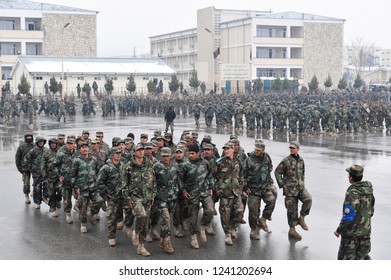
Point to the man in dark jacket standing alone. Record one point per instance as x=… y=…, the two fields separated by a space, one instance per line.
x=169 y=117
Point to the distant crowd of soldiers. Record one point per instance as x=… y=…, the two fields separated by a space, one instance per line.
x=334 y=112
x=149 y=187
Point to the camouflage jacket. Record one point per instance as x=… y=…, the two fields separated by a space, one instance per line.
x=257 y=170
x=100 y=156
x=167 y=183
x=290 y=174
x=138 y=181
x=358 y=209
x=229 y=177
x=21 y=152
x=83 y=173
x=63 y=164
x=109 y=181
x=196 y=179
x=32 y=161
x=47 y=165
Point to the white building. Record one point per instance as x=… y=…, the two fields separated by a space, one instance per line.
x=254 y=44
x=80 y=70
x=32 y=28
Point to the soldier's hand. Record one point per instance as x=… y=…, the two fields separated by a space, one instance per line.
x=131 y=203
x=186 y=195
x=248 y=191
x=77 y=191
x=61 y=179
x=336 y=233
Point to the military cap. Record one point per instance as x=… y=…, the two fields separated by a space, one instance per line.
x=165 y=151
x=168 y=134
x=61 y=136
x=115 y=150
x=179 y=149
x=85 y=132
x=234 y=141
x=181 y=146
x=128 y=140
x=207 y=136
x=258 y=141
x=259 y=146
x=121 y=141
x=115 y=140
x=208 y=147
x=294 y=144
x=144 y=135
x=157 y=133
x=70 y=141
x=355 y=170
x=228 y=145
x=95 y=141
x=233 y=136
x=187 y=138
x=148 y=145
x=154 y=143
x=71 y=137
x=99 y=133
x=81 y=144
x=182 y=142
x=139 y=147
x=39 y=139
x=53 y=140
x=194 y=134
x=160 y=138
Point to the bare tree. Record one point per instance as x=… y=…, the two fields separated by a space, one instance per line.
x=361 y=54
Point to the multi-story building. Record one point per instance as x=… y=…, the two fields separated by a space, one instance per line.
x=229 y=48
x=32 y=28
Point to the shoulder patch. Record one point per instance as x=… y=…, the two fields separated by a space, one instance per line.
x=348 y=213
x=219 y=159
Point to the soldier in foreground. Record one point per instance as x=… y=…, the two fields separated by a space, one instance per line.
x=355 y=225
x=21 y=152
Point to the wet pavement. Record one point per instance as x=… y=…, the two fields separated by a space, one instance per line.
x=27 y=233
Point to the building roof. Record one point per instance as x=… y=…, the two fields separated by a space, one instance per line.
x=43 y=65
x=30 y=5
x=298 y=16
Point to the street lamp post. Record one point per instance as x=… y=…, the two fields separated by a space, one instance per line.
x=213 y=63
x=62 y=62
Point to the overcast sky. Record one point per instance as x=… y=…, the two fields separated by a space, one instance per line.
x=138 y=20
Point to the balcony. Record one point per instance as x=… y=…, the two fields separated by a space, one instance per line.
x=278 y=62
x=21 y=34
x=278 y=41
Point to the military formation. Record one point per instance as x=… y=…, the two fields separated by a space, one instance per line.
x=155 y=189
x=334 y=113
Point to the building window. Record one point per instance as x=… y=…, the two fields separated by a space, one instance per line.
x=8 y=49
x=32 y=25
x=32 y=49
x=6 y=24
x=6 y=73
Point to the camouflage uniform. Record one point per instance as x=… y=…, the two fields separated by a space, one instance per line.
x=228 y=174
x=109 y=186
x=355 y=225
x=21 y=152
x=290 y=176
x=259 y=186
x=50 y=176
x=32 y=163
x=138 y=187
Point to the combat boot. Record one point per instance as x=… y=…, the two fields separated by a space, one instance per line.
x=302 y=223
x=228 y=239
x=233 y=233
x=128 y=231
x=202 y=234
x=92 y=219
x=58 y=204
x=262 y=224
x=194 y=241
x=154 y=234
x=44 y=199
x=135 y=238
x=165 y=243
x=148 y=238
x=112 y=242
x=142 y=251
x=55 y=214
x=178 y=231
x=254 y=234
x=209 y=229
x=69 y=218
x=120 y=225
x=27 y=199
x=37 y=206
x=83 y=228
x=294 y=234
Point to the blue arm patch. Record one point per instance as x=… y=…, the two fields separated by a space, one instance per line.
x=348 y=213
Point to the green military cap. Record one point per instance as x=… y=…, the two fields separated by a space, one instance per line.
x=168 y=134
x=234 y=141
x=53 y=140
x=208 y=147
x=139 y=147
x=148 y=145
x=157 y=133
x=165 y=151
x=160 y=138
x=179 y=149
x=154 y=143
x=128 y=140
x=115 y=140
x=233 y=136
x=194 y=134
x=85 y=132
x=294 y=144
x=259 y=146
x=228 y=145
x=144 y=135
x=115 y=150
x=121 y=141
x=81 y=144
x=355 y=170
x=99 y=133
x=70 y=141
x=95 y=141
x=61 y=136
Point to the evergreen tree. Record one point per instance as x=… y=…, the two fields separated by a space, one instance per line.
x=277 y=85
x=295 y=85
x=24 y=85
x=53 y=87
x=193 y=81
x=342 y=84
x=174 y=84
x=313 y=85
x=328 y=83
x=358 y=82
x=109 y=85
x=286 y=85
x=131 y=85
x=303 y=89
x=151 y=87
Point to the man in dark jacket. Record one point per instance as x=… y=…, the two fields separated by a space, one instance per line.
x=21 y=152
x=169 y=117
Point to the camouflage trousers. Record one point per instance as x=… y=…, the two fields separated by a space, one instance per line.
x=207 y=215
x=82 y=204
x=269 y=197
x=67 y=199
x=292 y=206
x=54 y=194
x=39 y=189
x=165 y=219
x=181 y=212
x=96 y=203
x=231 y=212
x=170 y=125
x=129 y=217
x=113 y=210
x=141 y=212
x=355 y=248
x=26 y=182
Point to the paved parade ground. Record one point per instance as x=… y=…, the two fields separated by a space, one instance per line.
x=28 y=233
